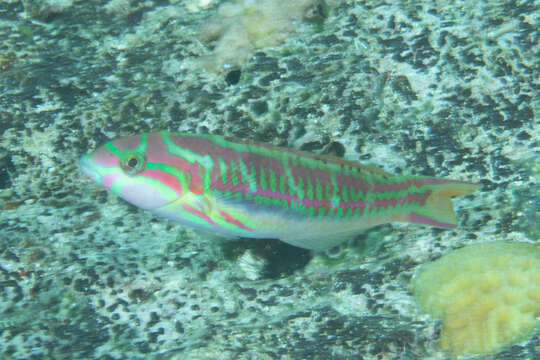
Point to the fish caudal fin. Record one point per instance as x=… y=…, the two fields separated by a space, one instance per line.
x=438 y=209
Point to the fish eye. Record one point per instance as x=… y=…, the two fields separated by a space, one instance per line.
x=132 y=163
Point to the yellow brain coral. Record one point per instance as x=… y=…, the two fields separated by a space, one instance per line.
x=487 y=295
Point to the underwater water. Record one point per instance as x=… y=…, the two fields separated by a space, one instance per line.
x=437 y=88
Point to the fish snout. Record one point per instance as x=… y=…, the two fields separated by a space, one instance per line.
x=87 y=168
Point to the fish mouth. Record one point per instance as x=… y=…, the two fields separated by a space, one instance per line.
x=87 y=168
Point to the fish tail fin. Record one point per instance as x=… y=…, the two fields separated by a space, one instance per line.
x=438 y=209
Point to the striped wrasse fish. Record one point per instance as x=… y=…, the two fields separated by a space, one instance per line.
x=254 y=190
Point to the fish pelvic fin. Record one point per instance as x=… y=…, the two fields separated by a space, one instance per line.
x=438 y=210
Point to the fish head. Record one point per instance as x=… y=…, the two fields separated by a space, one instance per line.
x=137 y=169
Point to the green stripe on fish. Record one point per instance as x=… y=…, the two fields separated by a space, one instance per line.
x=255 y=190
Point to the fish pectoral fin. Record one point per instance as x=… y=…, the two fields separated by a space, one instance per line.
x=207 y=204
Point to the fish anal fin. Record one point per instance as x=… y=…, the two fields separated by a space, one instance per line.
x=318 y=242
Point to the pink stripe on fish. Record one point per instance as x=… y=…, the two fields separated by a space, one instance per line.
x=396 y=186
x=198 y=213
x=350 y=182
x=165 y=178
x=234 y=221
x=416 y=218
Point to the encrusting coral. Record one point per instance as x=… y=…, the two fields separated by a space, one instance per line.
x=487 y=295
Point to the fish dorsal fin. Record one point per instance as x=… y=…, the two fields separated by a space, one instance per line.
x=253 y=145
